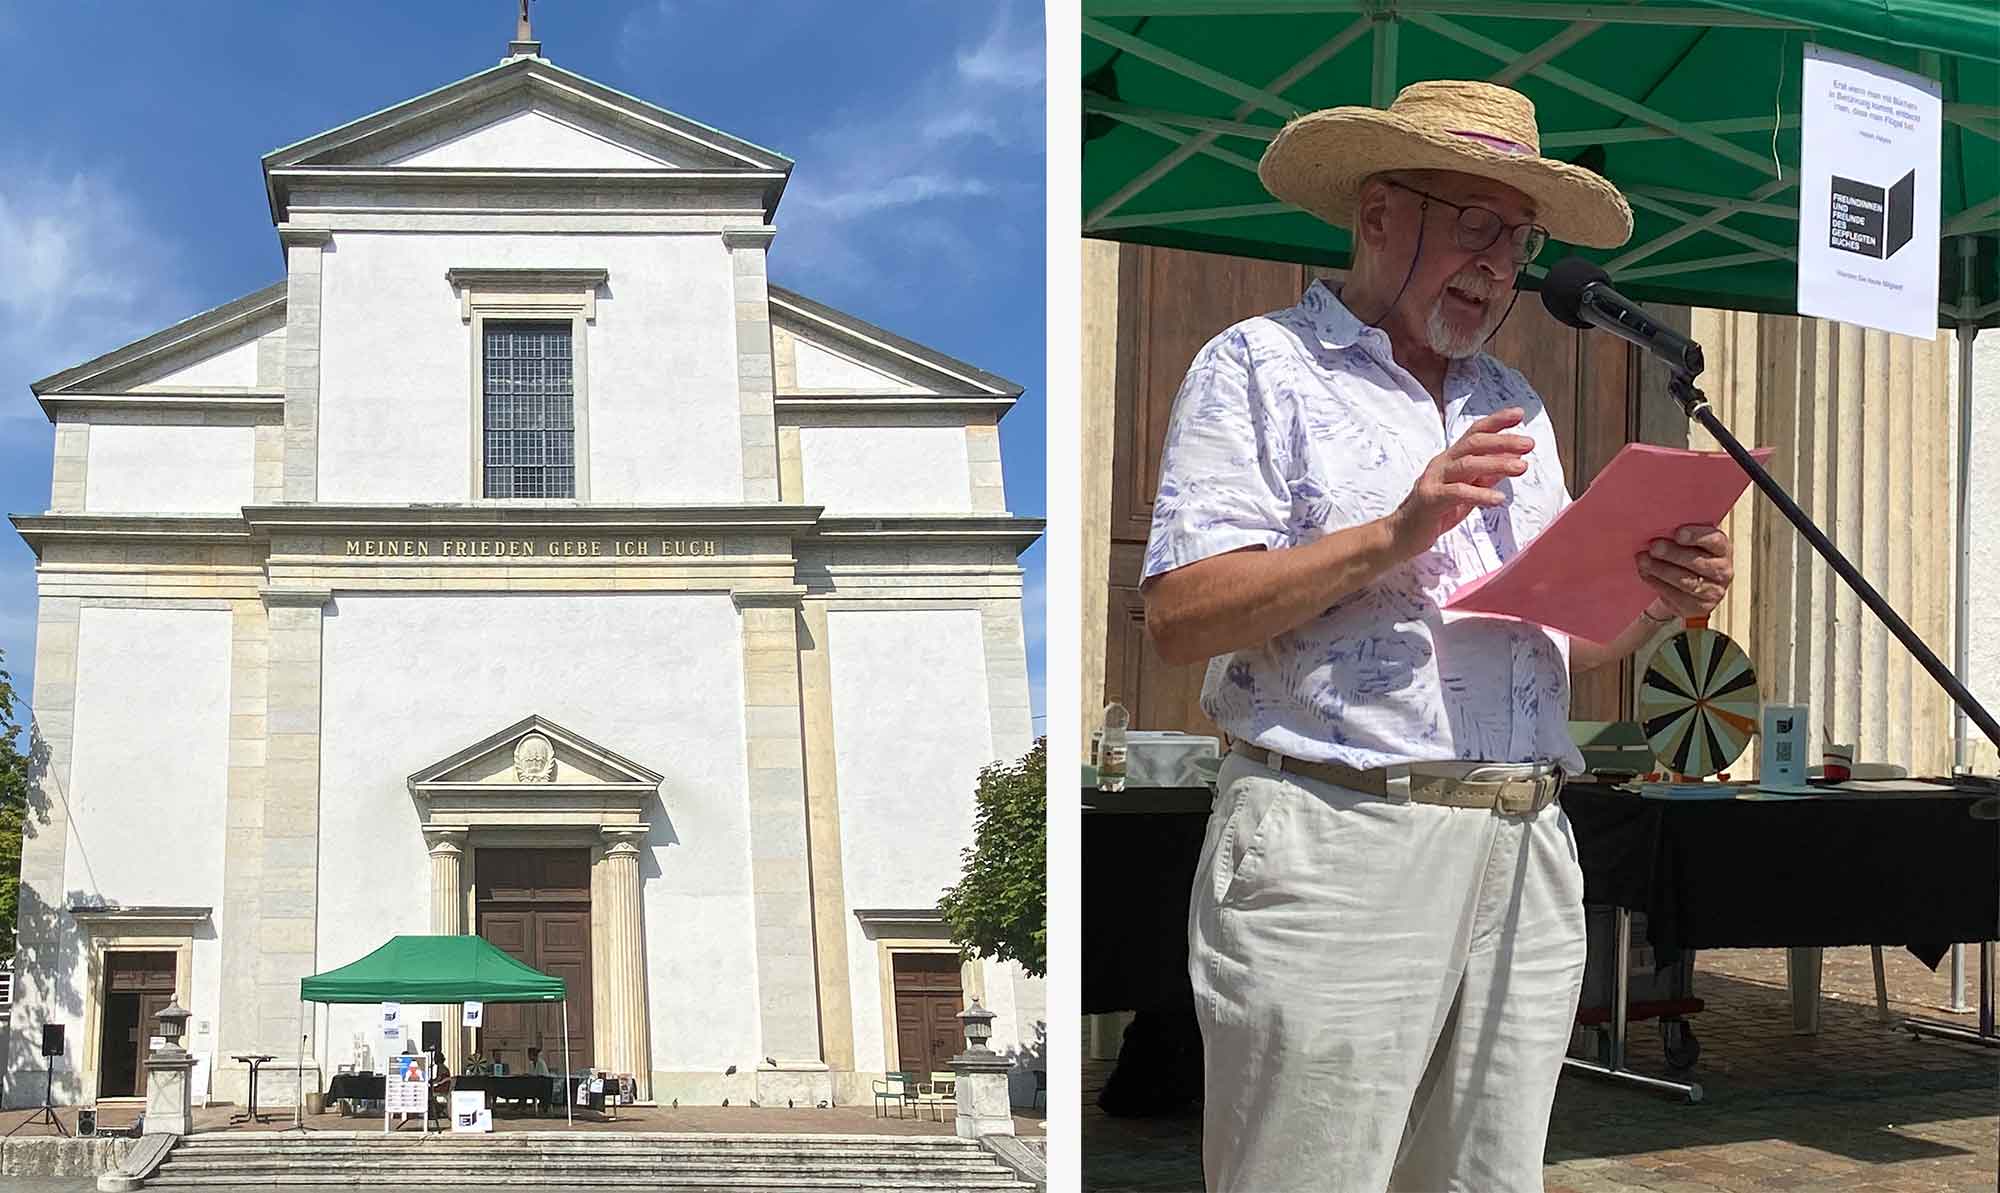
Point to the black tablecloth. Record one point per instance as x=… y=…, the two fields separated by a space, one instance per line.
x=521 y=1087
x=359 y=1087
x=1881 y=869
x=1886 y=869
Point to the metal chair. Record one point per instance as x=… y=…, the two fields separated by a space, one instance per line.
x=940 y=1090
x=894 y=1089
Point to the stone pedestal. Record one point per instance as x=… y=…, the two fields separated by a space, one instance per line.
x=625 y=985
x=801 y=1084
x=169 y=1109
x=447 y=846
x=984 y=1107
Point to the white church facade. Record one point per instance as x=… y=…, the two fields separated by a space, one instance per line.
x=521 y=563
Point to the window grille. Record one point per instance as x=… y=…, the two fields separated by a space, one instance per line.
x=529 y=402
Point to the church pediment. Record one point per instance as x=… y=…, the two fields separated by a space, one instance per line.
x=832 y=352
x=528 y=114
x=534 y=773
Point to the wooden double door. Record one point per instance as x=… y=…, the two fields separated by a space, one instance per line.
x=928 y=1000
x=534 y=905
x=137 y=987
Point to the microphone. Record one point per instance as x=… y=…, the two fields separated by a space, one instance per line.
x=1577 y=292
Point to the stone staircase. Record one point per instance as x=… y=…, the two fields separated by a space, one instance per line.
x=683 y=1162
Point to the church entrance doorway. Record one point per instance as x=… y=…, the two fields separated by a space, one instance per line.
x=928 y=1000
x=137 y=987
x=534 y=905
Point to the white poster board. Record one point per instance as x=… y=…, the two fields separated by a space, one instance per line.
x=468 y=1111
x=473 y=1015
x=407 y=1086
x=1870 y=138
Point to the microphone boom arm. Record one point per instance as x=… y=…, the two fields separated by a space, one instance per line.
x=1695 y=403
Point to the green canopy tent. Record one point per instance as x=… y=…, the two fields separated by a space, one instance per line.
x=1690 y=106
x=433 y=969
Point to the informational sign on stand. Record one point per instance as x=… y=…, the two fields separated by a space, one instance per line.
x=474 y=1015
x=392 y=1026
x=1870 y=138
x=408 y=1085
x=469 y=1112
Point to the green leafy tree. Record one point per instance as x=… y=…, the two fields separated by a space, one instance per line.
x=1000 y=908
x=13 y=808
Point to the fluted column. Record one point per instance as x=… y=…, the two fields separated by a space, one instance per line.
x=625 y=991
x=448 y=919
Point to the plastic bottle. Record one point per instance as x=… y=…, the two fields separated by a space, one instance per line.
x=1111 y=748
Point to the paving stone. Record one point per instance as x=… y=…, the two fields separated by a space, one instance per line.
x=1860 y=1108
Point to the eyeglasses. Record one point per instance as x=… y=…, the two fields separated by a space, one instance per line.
x=1479 y=227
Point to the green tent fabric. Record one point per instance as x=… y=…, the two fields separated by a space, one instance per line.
x=1677 y=105
x=437 y=969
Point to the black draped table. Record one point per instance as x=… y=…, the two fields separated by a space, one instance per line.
x=1906 y=864
x=526 y=1087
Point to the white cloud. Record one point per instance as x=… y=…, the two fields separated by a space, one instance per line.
x=945 y=171
x=84 y=273
x=1005 y=58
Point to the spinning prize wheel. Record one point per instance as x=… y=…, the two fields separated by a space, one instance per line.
x=1698 y=702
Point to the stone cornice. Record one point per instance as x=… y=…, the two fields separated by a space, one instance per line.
x=40 y=529
x=790 y=520
x=501 y=278
x=891 y=404
x=270 y=402
x=775 y=598
x=297 y=598
x=900 y=921
x=749 y=238
x=1019 y=533
x=308 y=237
x=518 y=186
x=182 y=919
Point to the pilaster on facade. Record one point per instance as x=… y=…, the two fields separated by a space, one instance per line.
x=287 y=903
x=41 y=921
x=303 y=257
x=780 y=866
x=755 y=373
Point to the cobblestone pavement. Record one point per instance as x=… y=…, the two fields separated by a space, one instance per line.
x=1860 y=1107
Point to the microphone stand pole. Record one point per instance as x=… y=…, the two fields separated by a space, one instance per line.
x=1681 y=385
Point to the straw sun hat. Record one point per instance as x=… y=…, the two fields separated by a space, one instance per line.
x=1321 y=159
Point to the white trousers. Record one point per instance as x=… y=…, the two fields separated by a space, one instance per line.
x=1385 y=990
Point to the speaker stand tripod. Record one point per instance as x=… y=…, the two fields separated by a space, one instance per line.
x=46 y=1116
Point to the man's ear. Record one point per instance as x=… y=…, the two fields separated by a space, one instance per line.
x=1371 y=213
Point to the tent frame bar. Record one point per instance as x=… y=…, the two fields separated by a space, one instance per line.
x=1543 y=11
x=1283 y=82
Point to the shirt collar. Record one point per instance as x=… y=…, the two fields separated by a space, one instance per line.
x=1334 y=324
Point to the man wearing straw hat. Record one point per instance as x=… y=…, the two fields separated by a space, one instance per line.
x=1387 y=933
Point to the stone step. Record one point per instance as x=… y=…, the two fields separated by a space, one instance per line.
x=502 y=1138
x=678 y=1164
x=647 y=1180
x=496 y=1150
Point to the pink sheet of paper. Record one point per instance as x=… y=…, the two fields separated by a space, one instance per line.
x=1578 y=576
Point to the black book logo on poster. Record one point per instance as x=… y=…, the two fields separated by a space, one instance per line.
x=1869 y=220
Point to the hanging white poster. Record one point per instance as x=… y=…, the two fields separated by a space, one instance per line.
x=1869 y=144
x=473 y=1016
x=392 y=1017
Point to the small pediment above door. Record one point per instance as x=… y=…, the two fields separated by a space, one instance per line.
x=534 y=773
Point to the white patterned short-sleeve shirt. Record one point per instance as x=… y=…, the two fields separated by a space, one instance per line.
x=1299 y=423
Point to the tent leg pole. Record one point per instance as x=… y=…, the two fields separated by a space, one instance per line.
x=569 y=1103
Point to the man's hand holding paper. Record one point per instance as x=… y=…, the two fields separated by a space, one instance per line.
x=1641 y=540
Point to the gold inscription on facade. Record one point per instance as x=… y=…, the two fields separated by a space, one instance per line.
x=529 y=548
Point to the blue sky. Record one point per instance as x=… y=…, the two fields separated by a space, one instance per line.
x=130 y=193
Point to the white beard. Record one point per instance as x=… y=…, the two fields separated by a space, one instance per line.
x=1457 y=345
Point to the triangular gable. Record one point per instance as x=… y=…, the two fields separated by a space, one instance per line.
x=529 y=137
x=835 y=352
x=574 y=761
x=191 y=354
x=520 y=84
